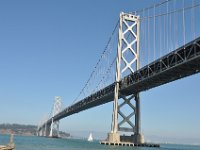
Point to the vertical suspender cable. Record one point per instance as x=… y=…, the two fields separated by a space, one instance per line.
x=184 y=23
x=163 y=43
x=193 y=20
x=159 y=33
x=174 y=31
x=154 y=31
x=167 y=26
x=142 y=47
x=148 y=37
x=173 y=22
x=170 y=31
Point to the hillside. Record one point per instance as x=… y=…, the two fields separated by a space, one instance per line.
x=18 y=129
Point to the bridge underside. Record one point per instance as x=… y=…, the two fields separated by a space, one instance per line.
x=182 y=62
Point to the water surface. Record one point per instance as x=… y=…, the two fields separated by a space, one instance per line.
x=42 y=143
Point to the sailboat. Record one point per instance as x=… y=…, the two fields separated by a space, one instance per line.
x=90 y=138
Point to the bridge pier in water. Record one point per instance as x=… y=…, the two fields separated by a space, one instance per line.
x=136 y=137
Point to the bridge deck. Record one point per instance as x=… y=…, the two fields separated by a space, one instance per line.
x=182 y=62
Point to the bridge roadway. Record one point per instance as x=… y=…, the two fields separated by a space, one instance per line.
x=180 y=63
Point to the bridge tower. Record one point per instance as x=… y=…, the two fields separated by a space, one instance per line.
x=128 y=44
x=54 y=129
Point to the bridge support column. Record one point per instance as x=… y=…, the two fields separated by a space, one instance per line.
x=128 y=61
x=138 y=137
x=114 y=136
x=51 y=130
x=47 y=130
x=43 y=131
x=40 y=132
x=54 y=127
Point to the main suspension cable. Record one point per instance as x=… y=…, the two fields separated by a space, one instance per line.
x=98 y=62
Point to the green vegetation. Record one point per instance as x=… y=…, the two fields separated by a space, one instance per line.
x=29 y=130
x=18 y=129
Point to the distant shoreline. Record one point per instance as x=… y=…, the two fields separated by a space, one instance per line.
x=23 y=130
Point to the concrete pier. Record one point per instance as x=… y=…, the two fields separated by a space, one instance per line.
x=115 y=139
x=129 y=144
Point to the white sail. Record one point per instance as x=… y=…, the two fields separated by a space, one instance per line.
x=90 y=138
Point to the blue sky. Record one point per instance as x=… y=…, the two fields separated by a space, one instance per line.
x=49 y=48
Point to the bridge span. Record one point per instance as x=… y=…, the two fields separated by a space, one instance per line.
x=180 y=63
x=131 y=77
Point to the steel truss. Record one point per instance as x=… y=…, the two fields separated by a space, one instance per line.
x=126 y=119
x=162 y=67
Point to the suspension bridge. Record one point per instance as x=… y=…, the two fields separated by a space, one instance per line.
x=147 y=48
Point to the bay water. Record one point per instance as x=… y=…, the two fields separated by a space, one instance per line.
x=42 y=143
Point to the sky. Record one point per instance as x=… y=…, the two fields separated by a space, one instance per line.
x=49 y=48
